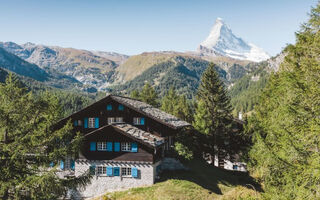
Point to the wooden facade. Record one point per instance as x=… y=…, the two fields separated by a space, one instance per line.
x=106 y=132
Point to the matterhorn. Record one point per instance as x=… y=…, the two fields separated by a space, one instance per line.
x=222 y=42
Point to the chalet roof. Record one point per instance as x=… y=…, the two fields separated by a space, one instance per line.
x=135 y=133
x=142 y=135
x=151 y=111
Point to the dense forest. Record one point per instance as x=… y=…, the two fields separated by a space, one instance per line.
x=285 y=125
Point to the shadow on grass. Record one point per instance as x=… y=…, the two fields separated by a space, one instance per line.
x=208 y=177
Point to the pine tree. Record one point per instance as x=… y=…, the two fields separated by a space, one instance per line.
x=286 y=122
x=29 y=144
x=213 y=114
x=135 y=94
x=177 y=105
x=149 y=95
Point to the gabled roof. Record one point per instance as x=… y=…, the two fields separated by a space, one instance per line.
x=134 y=133
x=151 y=111
x=141 y=107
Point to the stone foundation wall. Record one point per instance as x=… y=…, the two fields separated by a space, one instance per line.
x=101 y=184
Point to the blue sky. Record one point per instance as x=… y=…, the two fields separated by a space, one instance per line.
x=135 y=26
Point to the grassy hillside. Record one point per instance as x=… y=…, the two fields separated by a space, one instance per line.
x=202 y=181
x=182 y=72
x=137 y=64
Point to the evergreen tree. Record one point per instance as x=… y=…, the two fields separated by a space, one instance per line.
x=135 y=94
x=213 y=114
x=29 y=144
x=177 y=105
x=286 y=124
x=149 y=95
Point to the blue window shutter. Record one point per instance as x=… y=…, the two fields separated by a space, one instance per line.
x=61 y=164
x=92 y=146
x=96 y=122
x=117 y=146
x=116 y=171
x=86 y=122
x=72 y=164
x=134 y=147
x=109 y=171
x=142 y=121
x=134 y=172
x=109 y=146
x=75 y=123
x=109 y=107
x=120 y=107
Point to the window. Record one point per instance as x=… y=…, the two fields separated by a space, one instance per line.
x=79 y=122
x=120 y=107
x=235 y=167
x=126 y=171
x=119 y=119
x=125 y=146
x=111 y=120
x=138 y=121
x=101 y=170
x=102 y=146
x=109 y=107
x=67 y=164
x=91 y=122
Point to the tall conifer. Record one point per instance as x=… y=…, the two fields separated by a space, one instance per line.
x=213 y=114
x=29 y=144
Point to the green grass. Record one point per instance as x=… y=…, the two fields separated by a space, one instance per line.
x=202 y=181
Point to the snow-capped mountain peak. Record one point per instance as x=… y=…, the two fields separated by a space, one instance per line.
x=221 y=41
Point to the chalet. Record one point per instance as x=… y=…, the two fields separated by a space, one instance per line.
x=125 y=143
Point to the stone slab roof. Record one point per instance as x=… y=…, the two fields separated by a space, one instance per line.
x=135 y=133
x=152 y=112
x=139 y=134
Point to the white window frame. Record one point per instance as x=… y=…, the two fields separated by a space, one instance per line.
x=101 y=146
x=101 y=170
x=137 y=120
x=111 y=120
x=91 y=122
x=119 y=119
x=126 y=146
x=126 y=172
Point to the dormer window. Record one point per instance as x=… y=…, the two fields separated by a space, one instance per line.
x=138 y=121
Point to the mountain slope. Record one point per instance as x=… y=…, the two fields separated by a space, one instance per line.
x=94 y=69
x=15 y=64
x=32 y=72
x=181 y=72
x=221 y=41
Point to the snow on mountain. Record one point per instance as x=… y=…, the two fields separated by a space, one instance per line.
x=222 y=42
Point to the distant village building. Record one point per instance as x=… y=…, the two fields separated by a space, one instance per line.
x=126 y=143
